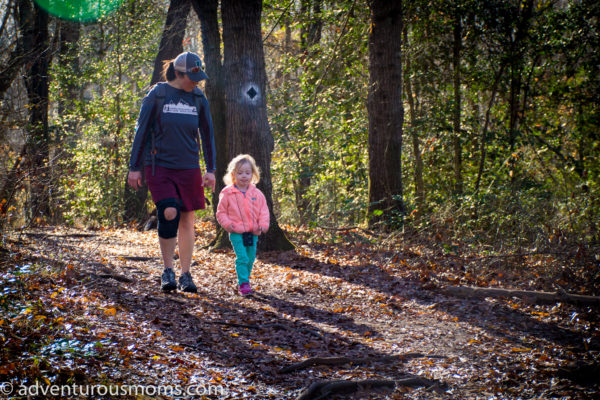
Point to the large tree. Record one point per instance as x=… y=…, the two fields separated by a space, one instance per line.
x=33 y=23
x=208 y=14
x=245 y=89
x=386 y=114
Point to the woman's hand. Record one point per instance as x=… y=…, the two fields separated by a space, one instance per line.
x=134 y=178
x=209 y=180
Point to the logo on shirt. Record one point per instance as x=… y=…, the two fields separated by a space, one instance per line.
x=179 y=108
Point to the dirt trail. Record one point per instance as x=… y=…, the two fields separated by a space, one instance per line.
x=315 y=302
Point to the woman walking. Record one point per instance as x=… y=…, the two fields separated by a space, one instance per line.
x=167 y=146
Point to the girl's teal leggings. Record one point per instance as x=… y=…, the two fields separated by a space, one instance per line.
x=245 y=256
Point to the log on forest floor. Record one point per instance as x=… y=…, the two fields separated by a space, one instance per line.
x=324 y=389
x=535 y=297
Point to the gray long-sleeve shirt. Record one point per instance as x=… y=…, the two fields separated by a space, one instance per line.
x=176 y=141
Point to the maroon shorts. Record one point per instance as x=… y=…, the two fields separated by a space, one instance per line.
x=182 y=184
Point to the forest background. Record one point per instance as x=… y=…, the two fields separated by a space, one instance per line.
x=498 y=143
x=434 y=163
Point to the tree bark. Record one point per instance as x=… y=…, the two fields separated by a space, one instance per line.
x=207 y=12
x=385 y=110
x=33 y=22
x=245 y=88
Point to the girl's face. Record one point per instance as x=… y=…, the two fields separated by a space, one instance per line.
x=243 y=175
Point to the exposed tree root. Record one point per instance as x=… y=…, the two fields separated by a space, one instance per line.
x=531 y=296
x=323 y=389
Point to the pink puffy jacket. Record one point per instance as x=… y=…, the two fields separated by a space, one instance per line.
x=238 y=212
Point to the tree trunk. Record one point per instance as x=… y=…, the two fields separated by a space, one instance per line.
x=517 y=61
x=171 y=44
x=457 y=163
x=418 y=171
x=484 y=135
x=207 y=12
x=69 y=34
x=247 y=123
x=310 y=35
x=34 y=23
x=385 y=110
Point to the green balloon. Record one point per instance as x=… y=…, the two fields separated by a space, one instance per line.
x=80 y=10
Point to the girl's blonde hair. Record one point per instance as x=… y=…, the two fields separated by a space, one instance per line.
x=236 y=163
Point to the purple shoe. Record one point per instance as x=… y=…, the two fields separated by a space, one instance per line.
x=245 y=289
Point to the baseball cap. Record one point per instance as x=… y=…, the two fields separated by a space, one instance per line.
x=191 y=64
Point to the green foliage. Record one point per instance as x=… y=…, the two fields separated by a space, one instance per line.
x=540 y=171
x=318 y=117
x=97 y=128
x=544 y=184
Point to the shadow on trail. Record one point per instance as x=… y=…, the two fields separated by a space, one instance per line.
x=303 y=312
x=235 y=333
x=255 y=341
x=495 y=318
x=255 y=336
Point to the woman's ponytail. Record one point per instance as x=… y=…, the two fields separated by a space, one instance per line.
x=169 y=71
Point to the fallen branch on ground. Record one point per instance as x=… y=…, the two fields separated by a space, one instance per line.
x=311 y=362
x=529 y=295
x=324 y=389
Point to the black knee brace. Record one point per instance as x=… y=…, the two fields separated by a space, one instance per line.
x=167 y=229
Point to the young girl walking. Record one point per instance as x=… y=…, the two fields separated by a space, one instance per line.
x=243 y=212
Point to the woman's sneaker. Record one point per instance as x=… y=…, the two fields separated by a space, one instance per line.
x=245 y=289
x=186 y=283
x=167 y=280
